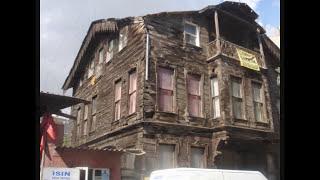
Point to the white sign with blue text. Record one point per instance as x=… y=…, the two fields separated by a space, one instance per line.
x=61 y=174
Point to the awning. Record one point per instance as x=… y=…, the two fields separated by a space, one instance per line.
x=53 y=103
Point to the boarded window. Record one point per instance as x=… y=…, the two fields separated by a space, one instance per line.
x=194 y=95
x=191 y=34
x=166 y=156
x=117 y=100
x=215 y=97
x=86 y=108
x=123 y=38
x=132 y=91
x=165 y=83
x=237 y=97
x=197 y=157
x=257 y=101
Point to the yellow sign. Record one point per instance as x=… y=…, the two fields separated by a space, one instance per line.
x=248 y=60
x=146 y=178
x=93 y=80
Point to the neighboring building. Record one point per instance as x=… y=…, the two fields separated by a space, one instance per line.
x=172 y=84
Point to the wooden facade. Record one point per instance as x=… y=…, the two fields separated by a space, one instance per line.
x=159 y=41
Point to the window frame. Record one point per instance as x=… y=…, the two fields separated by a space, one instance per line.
x=160 y=89
x=123 y=38
x=261 y=102
x=215 y=97
x=117 y=101
x=174 y=163
x=201 y=108
x=133 y=70
x=93 y=113
x=240 y=99
x=197 y=36
x=204 y=158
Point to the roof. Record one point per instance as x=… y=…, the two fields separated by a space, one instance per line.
x=112 y=25
x=53 y=103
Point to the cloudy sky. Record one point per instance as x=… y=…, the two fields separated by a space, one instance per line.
x=64 y=24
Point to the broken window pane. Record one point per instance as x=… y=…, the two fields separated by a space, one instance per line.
x=166 y=156
x=197 y=157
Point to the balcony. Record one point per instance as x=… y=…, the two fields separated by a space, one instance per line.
x=228 y=49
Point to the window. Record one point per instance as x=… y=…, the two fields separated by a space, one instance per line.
x=78 y=121
x=257 y=101
x=78 y=115
x=91 y=69
x=98 y=174
x=197 y=157
x=101 y=55
x=112 y=48
x=166 y=156
x=85 y=127
x=194 y=95
x=94 y=110
x=123 y=38
x=237 y=97
x=117 y=100
x=85 y=111
x=165 y=84
x=191 y=34
x=215 y=97
x=132 y=91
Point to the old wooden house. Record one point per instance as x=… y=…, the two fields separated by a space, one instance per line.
x=191 y=89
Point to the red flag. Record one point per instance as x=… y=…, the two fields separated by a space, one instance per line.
x=47 y=127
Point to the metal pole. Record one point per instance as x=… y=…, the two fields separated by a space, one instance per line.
x=42 y=157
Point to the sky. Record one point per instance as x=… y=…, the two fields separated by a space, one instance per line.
x=64 y=24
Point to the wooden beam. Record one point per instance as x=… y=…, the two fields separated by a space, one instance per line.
x=216 y=23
